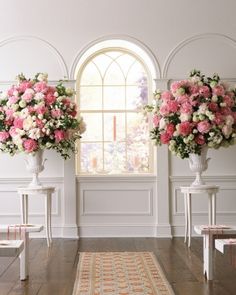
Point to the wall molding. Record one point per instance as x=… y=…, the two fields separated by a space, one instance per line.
x=52 y=48
x=226 y=39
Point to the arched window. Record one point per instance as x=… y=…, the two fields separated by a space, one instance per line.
x=113 y=83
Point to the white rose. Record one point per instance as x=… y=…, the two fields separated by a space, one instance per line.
x=184 y=117
x=1 y=117
x=223 y=104
x=4 y=95
x=56 y=94
x=42 y=77
x=34 y=133
x=24 y=113
x=162 y=123
x=15 y=107
x=229 y=120
x=214 y=98
x=15 y=93
x=22 y=103
x=48 y=145
x=28 y=123
x=40 y=116
x=70 y=91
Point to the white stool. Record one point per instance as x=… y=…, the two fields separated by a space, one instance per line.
x=24 y=192
x=211 y=190
x=15 y=248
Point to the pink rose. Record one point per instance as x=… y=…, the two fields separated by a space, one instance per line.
x=155 y=121
x=59 y=135
x=4 y=135
x=186 y=108
x=9 y=113
x=213 y=107
x=185 y=128
x=170 y=129
x=203 y=126
x=219 y=119
x=13 y=99
x=39 y=123
x=164 y=109
x=66 y=101
x=24 y=85
x=41 y=110
x=50 y=98
x=41 y=87
x=30 y=145
x=183 y=99
x=165 y=138
x=199 y=139
x=204 y=91
x=18 y=123
x=228 y=100
x=27 y=96
x=56 y=113
x=166 y=95
x=218 y=90
x=13 y=131
x=173 y=106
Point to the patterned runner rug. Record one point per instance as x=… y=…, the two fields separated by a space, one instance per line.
x=120 y=273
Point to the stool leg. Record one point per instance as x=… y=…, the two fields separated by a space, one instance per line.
x=24 y=259
x=208 y=256
x=185 y=217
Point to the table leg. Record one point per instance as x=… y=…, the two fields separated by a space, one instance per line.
x=209 y=208
x=214 y=208
x=24 y=208
x=24 y=259
x=50 y=216
x=208 y=256
x=189 y=218
x=47 y=220
x=185 y=217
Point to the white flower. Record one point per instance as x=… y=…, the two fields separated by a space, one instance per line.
x=42 y=77
x=39 y=96
x=162 y=123
x=40 y=116
x=1 y=117
x=70 y=91
x=15 y=93
x=229 y=120
x=214 y=98
x=24 y=113
x=184 y=117
x=15 y=107
x=203 y=108
x=34 y=133
x=3 y=95
x=28 y=123
x=22 y=103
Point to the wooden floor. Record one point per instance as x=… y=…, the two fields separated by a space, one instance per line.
x=52 y=271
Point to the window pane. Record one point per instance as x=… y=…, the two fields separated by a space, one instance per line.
x=137 y=75
x=91 y=75
x=114 y=98
x=90 y=98
x=102 y=61
x=137 y=97
x=125 y=61
x=114 y=75
x=114 y=157
x=114 y=127
x=91 y=157
x=93 y=127
x=138 y=157
x=137 y=127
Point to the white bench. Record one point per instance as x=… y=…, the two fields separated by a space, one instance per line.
x=210 y=235
x=15 y=251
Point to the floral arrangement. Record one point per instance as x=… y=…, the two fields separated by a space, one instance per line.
x=35 y=115
x=197 y=112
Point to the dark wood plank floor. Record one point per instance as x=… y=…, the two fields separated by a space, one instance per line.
x=52 y=271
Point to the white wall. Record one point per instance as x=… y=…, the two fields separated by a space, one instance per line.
x=49 y=36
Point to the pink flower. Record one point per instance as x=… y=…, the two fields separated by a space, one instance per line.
x=199 y=139
x=203 y=126
x=218 y=90
x=213 y=107
x=9 y=113
x=18 y=123
x=219 y=119
x=24 y=85
x=13 y=131
x=31 y=109
x=50 y=98
x=204 y=91
x=185 y=128
x=59 y=135
x=165 y=138
x=39 y=123
x=225 y=111
x=173 y=106
x=41 y=110
x=170 y=129
x=30 y=145
x=56 y=113
x=13 y=99
x=227 y=130
x=182 y=99
x=4 y=135
x=66 y=101
x=186 y=108
x=27 y=96
x=155 y=120
x=41 y=87
x=228 y=100
x=164 y=109
x=166 y=95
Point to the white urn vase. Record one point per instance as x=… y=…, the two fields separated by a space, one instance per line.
x=199 y=164
x=35 y=165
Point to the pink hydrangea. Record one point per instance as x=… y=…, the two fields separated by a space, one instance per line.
x=165 y=138
x=185 y=128
x=186 y=108
x=18 y=123
x=41 y=87
x=4 y=135
x=166 y=95
x=59 y=135
x=204 y=126
x=30 y=145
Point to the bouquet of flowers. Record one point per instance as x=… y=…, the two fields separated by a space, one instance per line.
x=35 y=115
x=197 y=112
